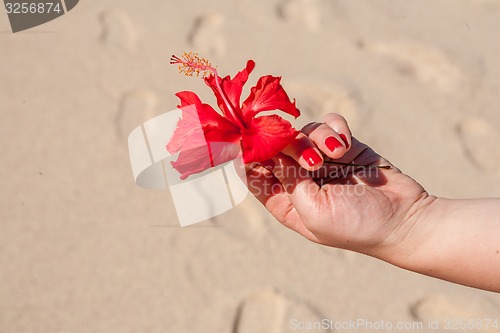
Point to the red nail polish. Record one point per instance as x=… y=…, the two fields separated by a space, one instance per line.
x=332 y=143
x=311 y=156
x=344 y=138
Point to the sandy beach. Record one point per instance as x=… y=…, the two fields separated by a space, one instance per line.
x=83 y=249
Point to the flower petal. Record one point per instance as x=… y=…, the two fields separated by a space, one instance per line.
x=268 y=95
x=199 y=159
x=265 y=137
x=200 y=123
x=231 y=87
x=202 y=137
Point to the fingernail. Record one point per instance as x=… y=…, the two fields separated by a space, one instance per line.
x=332 y=143
x=344 y=138
x=311 y=156
x=268 y=164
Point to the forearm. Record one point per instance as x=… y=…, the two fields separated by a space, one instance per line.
x=455 y=240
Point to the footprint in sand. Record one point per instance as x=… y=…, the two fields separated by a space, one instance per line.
x=255 y=216
x=117 y=30
x=443 y=308
x=206 y=36
x=271 y=312
x=253 y=221
x=425 y=64
x=315 y=100
x=306 y=13
x=134 y=108
x=479 y=140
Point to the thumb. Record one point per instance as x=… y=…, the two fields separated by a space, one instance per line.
x=298 y=183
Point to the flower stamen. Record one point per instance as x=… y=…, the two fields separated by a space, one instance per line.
x=191 y=63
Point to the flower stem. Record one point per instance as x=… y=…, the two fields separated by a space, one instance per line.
x=359 y=165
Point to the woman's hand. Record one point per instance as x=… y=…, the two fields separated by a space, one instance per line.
x=365 y=209
x=376 y=211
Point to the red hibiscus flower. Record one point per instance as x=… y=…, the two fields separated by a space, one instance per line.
x=204 y=138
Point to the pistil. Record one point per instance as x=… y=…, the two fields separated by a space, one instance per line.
x=190 y=64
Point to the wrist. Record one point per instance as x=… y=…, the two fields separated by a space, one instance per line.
x=411 y=233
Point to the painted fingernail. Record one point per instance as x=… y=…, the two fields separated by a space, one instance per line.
x=344 y=138
x=311 y=156
x=332 y=143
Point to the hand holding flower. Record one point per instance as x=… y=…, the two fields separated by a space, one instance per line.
x=379 y=212
x=205 y=138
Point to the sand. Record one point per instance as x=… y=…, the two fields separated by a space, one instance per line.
x=83 y=249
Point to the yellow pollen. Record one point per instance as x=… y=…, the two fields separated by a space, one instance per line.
x=192 y=64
